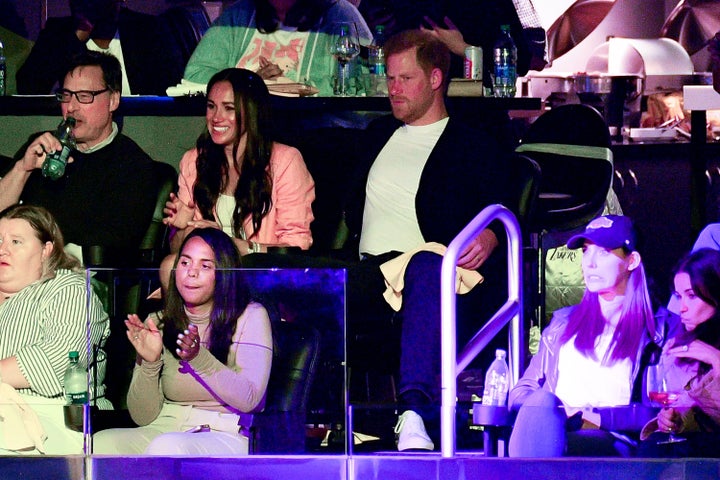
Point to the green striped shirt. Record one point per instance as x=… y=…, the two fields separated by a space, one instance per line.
x=44 y=321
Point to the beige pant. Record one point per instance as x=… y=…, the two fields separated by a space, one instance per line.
x=167 y=435
x=60 y=440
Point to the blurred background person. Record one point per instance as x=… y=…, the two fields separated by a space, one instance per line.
x=142 y=43
x=276 y=38
x=45 y=313
x=714 y=47
x=202 y=360
x=459 y=23
x=10 y=19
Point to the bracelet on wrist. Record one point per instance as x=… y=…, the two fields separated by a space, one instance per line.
x=254 y=247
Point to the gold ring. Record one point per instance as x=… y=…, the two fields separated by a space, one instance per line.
x=135 y=337
x=684 y=348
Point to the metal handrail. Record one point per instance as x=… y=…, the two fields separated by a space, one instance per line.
x=512 y=311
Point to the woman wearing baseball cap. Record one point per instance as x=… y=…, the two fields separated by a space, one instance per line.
x=589 y=355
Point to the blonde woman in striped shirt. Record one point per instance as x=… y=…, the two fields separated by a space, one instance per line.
x=44 y=314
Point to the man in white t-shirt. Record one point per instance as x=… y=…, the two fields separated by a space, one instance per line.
x=425 y=178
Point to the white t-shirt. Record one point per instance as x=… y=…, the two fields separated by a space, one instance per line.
x=224 y=209
x=583 y=381
x=389 y=218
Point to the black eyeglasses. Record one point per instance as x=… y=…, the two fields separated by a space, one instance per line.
x=83 y=96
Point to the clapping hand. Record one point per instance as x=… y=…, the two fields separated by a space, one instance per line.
x=188 y=343
x=203 y=224
x=177 y=213
x=146 y=338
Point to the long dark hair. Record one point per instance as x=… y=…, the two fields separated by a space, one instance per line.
x=305 y=15
x=253 y=195
x=703 y=268
x=230 y=298
x=586 y=322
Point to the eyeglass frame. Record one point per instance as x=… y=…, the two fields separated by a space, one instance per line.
x=61 y=92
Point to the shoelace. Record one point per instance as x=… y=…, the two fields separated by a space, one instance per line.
x=399 y=424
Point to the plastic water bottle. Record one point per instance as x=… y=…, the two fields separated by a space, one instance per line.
x=54 y=165
x=376 y=63
x=3 y=70
x=495 y=389
x=76 y=382
x=505 y=62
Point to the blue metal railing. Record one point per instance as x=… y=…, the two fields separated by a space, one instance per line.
x=512 y=311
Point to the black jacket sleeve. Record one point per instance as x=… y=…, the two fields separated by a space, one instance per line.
x=151 y=56
x=466 y=172
x=49 y=57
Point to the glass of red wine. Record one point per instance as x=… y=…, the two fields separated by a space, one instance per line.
x=661 y=393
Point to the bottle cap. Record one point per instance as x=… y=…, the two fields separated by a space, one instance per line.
x=73 y=354
x=500 y=353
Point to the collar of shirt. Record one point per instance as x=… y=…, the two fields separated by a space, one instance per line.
x=105 y=142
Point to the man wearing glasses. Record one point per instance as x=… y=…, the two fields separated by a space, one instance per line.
x=107 y=195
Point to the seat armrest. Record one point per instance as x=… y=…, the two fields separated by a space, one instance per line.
x=492 y=415
x=627 y=418
x=246 y=423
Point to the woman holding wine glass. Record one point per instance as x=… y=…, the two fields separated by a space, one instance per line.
x=692 y=365
x=590 y=354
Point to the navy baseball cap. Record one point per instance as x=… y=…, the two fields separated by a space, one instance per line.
x=609 y=231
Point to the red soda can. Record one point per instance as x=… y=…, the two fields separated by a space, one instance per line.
x=473 y=63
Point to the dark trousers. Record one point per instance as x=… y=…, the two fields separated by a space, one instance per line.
x=420 y=321
x=378 y=337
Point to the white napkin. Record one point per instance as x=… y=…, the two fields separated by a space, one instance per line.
x=186 y=87
x=394 y=273
x=282 y=86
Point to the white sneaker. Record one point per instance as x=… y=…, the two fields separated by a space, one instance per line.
x=410 y=433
